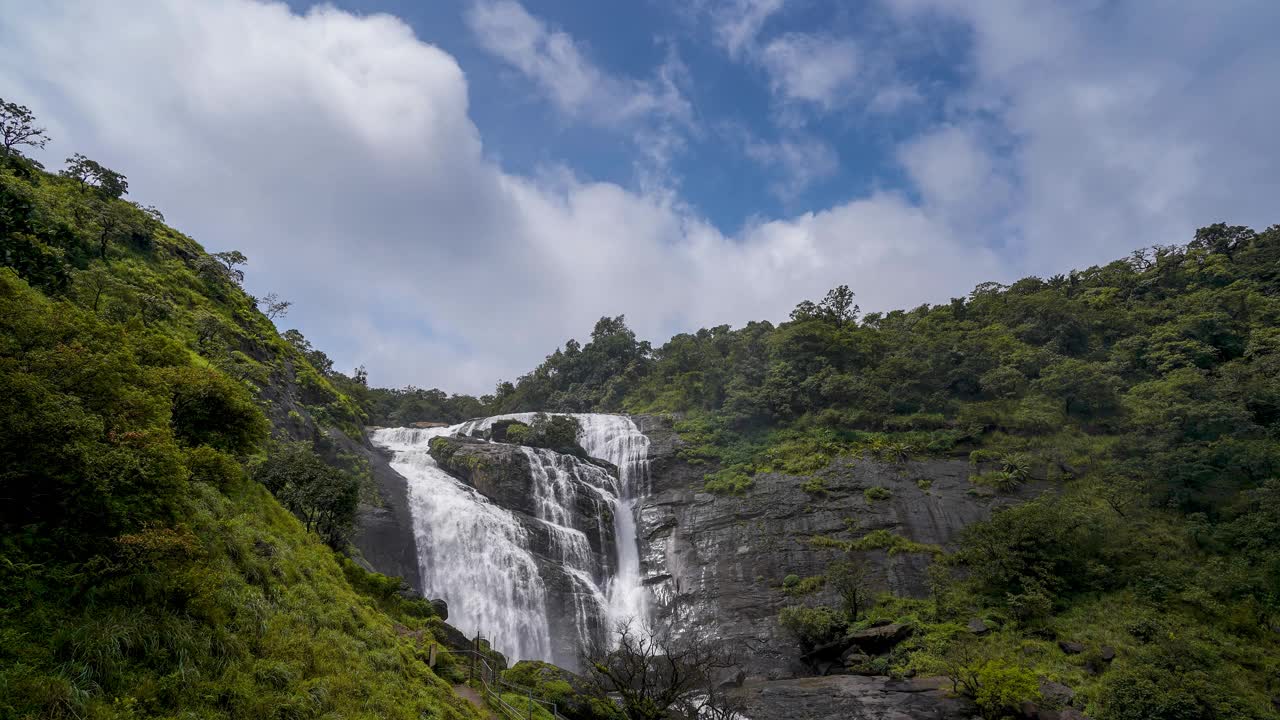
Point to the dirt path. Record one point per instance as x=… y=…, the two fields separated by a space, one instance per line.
x=473 y=696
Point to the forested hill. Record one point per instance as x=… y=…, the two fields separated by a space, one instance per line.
x=1145 y=392
x=148 y=412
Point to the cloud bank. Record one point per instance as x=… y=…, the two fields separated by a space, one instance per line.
x=337 y=152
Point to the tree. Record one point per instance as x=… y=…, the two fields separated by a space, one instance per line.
x=660 y=675
x=848 y=578
x=114 y=221
x=838 y=305
x=106 y=182
x=274 y=306
x=322 y=496
x=229 y=260
x=318 y=359
x=18 y=128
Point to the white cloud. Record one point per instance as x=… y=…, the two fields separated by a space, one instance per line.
x=553 y=60
x=892 y=97
x=1120 y=124
x=802 y=161
x=957 y=176
x=336 y=150
x=810 y=68
x=737 y=23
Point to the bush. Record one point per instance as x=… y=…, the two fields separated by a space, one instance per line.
x=812 y=626
x=796 y=586
x=211 y=409
x=876 y=492
x=1002 y=688
x=729 y=481
x=518 y=433
x=322 y=496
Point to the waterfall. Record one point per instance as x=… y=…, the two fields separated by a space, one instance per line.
x=547 y=580
x=616 y=438
x=472 y=553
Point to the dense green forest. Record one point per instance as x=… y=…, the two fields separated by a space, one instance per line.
x=148 y=411
x=1145 y=392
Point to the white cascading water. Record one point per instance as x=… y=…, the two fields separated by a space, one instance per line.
x=477 y=556
x=471 y=552
x=616 y=438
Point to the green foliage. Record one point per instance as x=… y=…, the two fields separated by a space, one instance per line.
x=848 y=577
x=893 y=543
x=1002 y=688
x=572 y=697
x=518 y=433
x=323 y=497
x=730 y=481
x=877 y=492
x=812 y=626
x=796 y=586
x=211 y=409
x=140 y=574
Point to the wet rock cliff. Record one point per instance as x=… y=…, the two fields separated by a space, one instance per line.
x=716 y=563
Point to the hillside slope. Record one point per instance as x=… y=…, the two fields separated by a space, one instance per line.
x=1145 y=394
x=144 y=569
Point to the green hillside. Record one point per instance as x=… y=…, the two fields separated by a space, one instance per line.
x=145 y=570
x=1144 y=394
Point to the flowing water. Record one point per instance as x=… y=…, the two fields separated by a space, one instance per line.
x=525 y=581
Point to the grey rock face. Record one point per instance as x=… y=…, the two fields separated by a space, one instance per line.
x=852 y=697
x=384 y=533
x=716 y=563
x=505 y=474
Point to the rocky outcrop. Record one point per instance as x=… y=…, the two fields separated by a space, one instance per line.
x=716 y=563
x=518 y=479
x=852 y=697
x=384 y=531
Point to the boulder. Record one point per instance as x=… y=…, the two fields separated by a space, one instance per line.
x=977 y=627
x=1071 y=647
x=1055 y=694
x=441 y=608
x=881 y=639
x=1107 y=653
x=730 y=677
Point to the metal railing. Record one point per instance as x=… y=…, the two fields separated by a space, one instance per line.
x=492 y=686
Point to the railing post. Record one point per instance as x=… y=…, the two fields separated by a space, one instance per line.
x=475 y=648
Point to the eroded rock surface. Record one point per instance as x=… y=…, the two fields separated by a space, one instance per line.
x=716 y=563
x=852 y=697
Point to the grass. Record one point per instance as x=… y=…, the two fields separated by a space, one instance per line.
x=875 y=540
x=253 y=618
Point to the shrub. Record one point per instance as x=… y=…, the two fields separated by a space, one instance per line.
x=211 y=409
x=796 y=586
x=814 y=486
x=1002 y=688
x=518 y=433
x=729 y=481
x=877 y=492
x=812 y=626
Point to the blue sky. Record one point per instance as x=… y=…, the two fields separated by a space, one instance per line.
x=728 y=166
x=449 y=190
